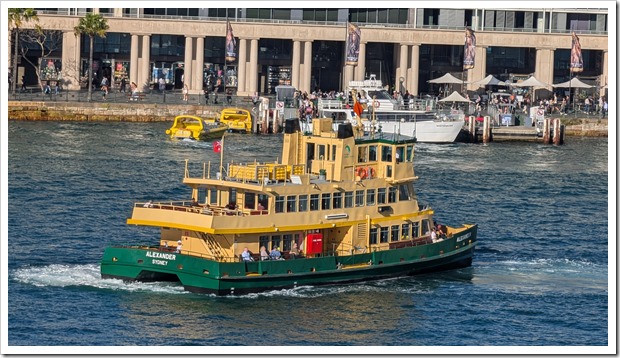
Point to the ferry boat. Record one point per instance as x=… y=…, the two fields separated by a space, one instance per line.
x=419 y=118
x=339 y=207
x=193 y=127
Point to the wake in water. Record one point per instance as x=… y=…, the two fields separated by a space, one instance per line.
x=85 y=276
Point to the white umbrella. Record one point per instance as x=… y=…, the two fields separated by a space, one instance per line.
x=447 y=78
x=489 y=80
x=530 y=82
x=573 y=83
x=454 y=97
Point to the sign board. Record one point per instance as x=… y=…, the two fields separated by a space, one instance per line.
x=280 y=107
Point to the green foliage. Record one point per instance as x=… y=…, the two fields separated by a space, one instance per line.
x=92 y=25
x=19 y=16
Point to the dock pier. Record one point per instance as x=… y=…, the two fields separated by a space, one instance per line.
x=552 y=132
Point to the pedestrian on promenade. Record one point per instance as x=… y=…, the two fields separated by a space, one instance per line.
x=185 y=92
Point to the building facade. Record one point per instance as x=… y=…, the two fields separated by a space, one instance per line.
x=305 y=48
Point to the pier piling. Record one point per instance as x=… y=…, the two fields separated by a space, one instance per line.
x=486 y=131
x=472 y=129
x=546 y=131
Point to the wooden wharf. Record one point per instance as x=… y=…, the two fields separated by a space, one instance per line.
x=550 y=132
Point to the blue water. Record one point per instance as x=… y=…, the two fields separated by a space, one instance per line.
x=539 y=276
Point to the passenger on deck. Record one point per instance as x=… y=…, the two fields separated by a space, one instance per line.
x=148 y=204
x=195 y=202
x=179 y=246
x=275 y=254
x=441 y=234
x=294 y=251
x=260 y=206
x=264 y=255
x=434 y=235
x=246 y=255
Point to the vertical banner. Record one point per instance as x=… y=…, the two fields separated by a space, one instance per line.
x=576 y=60
x=353 y=44
x=231 y=53
x=469 y=54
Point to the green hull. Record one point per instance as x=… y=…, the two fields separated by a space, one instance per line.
x=206 y=276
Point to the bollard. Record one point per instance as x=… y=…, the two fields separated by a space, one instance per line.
x=276 y=125
x=546 y=131
x=265 y=121
x=472 y=129
x=556 y=131
x=486 y=130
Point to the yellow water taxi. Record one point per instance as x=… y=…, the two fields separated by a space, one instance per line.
x=193 y=127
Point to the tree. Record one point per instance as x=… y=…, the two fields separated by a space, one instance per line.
x=17 y=17
x=48 y=41
x=91 y=25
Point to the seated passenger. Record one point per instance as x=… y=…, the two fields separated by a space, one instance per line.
x=275 y=254
x=246 y=255
x=441 y=231
x=264 y=255
x=434 y=235
x=294 y=251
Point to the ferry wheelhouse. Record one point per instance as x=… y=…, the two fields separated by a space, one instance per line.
x=346 y=201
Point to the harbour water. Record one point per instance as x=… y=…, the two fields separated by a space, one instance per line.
x=540 y=276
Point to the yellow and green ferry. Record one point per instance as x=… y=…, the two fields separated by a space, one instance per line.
x=339 y=207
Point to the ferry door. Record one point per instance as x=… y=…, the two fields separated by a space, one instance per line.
x=310 y=156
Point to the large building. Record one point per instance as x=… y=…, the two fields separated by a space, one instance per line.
x=305 y=47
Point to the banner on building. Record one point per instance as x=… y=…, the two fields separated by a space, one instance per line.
x=231 y=44
x=469 y=54
x=576 y=60
x=353 y=44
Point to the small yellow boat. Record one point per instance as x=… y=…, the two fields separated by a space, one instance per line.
x=193 y=127
x=237 y=119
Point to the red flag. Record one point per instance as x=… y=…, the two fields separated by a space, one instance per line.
x=217 y=146
x=358 y=109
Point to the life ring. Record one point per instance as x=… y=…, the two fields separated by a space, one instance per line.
x=361 y=172
x=370 y=172
x=376 y=104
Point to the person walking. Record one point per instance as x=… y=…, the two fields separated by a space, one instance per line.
x=185 y=92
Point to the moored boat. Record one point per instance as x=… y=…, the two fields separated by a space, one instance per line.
x=196 y=128
x=237 y=119
x=337 y=208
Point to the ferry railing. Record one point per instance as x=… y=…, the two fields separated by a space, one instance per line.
x=203 y=209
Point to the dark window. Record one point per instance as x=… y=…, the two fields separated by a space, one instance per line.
x=415 y=229
x=291 y=203
x=359 y=198
x=348 y=199
x=370 y=197
x=263 y=240
x=392 y=194
x=314 y=202
x=303 y=203
x=405 y=233
x=381 y=196
x=275 y=241
x=385 y=232
x=325 y=201
x=286 y=242
x=337 y=200
x=403 y=192
x=373 y=236
x=279 y=204
x=395 y=230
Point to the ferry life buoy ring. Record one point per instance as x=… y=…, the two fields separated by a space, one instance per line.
x=370 y=172
x=376 y=104
x=361 y=172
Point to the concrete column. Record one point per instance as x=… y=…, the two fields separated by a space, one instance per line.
x=187 y=71
x=144 y=76
x=396 y=65
x=348 y=76
x=402 y=64
x=133 y=60
x=480 y=68
x=605 y=74
x=295 y=63
x=243 y=48
x=253 y=70
x=71 y=47
x=307 y=66
x=200 y=64
x=413 y=76
x=360 y=69
x=544 y=65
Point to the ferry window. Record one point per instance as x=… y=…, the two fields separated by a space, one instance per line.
x=373 y=236
x=381 y=196
x=388 y=171
x=425 y=227
x=415 y=229
x=403 y=192
x=232 y=195
x=362 y=154
x=384 y=234
x=337 y=200
x=372 y=153
x=386 y=153
x=249 y=202
x=203 y=193
x=325 y=201
x=275 y=241
x=333 y=152
x=370 y=197
x=286 y=242
x=279 y=204
x=409 y=157
x=359 y=198
x=263 y=201
x=303 y=203
x=213 y=196
x=314 y=202
x=392 y=194
x=400 y=154
x=291 y=203
x=321 y=152
x=395 y=230
x=263 y=240
x=348 y=199
x=405 y=232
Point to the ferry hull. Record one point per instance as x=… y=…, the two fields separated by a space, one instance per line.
x=233 y=278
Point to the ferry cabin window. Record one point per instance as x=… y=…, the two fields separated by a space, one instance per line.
x=321 y=153
x=263 y=240
x=392 y=194
x=372 y=153
x=275 y=241
x=232 y=195
x=415 y=229
x=249 y=201
x=303 y=203
x=400 y=154
x=370 y=197
x=386 y=153
x=405 y=232
x=373 y=236
x=203 y=193
x=384 y=234
x=279 y=204
x=314 y=202
x=388 y=171
x=425 y=227
x=403 y=192
x=333 y=152
x=325 y=201
x=409 y=157
x=381 y=196
x=213 y=196
x=348 y=199
x=337 y=200
x=263 y=200
x=359 y=198
x=362 y=154
x=287 y=240
x=291 y=203
x=395 y=231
